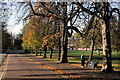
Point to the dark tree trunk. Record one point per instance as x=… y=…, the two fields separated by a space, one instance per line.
x=36 y=53
x=51 y=52
x=92 y=46
x=64 y=52
x=40 y=52
x=107 y=63
x=32 y=51
x=45 y=49
x=59 y=49
x=64 y=39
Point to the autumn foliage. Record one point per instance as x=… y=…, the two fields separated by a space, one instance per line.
x=37 y=34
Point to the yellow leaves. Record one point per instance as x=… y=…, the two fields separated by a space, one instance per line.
x=54 y=15
x=35 y=31
x=22 y=44
x=10 y=13
x=38 y=4
x=35 y=7
x=52 y=37
x=51 y=17
x=46 y=37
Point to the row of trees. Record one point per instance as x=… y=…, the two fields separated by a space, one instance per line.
x=6 y=38
x=68 y=14
x=9 y=41
x=38 y=35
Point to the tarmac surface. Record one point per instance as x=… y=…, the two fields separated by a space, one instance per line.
x=19 y=66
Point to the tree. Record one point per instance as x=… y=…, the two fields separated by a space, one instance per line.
x=104 y=11
x=115 y=32
x=6 y=38
x=95 y=34
x=64 y=17
x=34 y=30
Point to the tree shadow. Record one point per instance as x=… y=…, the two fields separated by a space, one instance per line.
x=28 y=70
x=37 y=79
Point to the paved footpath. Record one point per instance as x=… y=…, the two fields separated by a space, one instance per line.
x=25 y=66
x=2 y=59
x=17 y=67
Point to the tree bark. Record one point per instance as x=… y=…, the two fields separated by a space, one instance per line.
x=36 y=52
x=40 y=52
x=64 y=50
x=64 y=39
x=107 y=63
x=45 y=49
x=92 y=49
x=59 y=49
x=51 y=52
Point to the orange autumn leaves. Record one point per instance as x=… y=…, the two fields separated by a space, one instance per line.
x=36 y=34
x=4 y=9
x=51 y=40
x=31 y=35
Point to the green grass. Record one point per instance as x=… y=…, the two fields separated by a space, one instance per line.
x=74 y=57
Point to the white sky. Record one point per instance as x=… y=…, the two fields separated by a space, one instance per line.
x=12 y=26
x=15 y=29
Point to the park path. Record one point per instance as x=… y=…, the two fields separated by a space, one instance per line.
x=17 y=67
x=25 y=66
x=73 y=71
x=2 y=59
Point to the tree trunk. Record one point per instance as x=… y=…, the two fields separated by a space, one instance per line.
x=98 y=52
x=92 y=49
x=45 y=49
x=64 y=50
x=59 y=49
x=64 y=39
x=36 y=52
x=51 y=52
x=40 y=52
x=107 y=64
x=32 y=51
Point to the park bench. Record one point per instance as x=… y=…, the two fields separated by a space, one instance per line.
x=91 y=64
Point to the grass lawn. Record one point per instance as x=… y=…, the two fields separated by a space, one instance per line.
x=74 y=58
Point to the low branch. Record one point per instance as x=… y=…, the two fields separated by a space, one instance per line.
x=75 y=29
x=113 y=10
x=69 y=34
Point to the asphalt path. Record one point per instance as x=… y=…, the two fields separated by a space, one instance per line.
x=20 y=66
x=2 y=58
x=17 y=67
